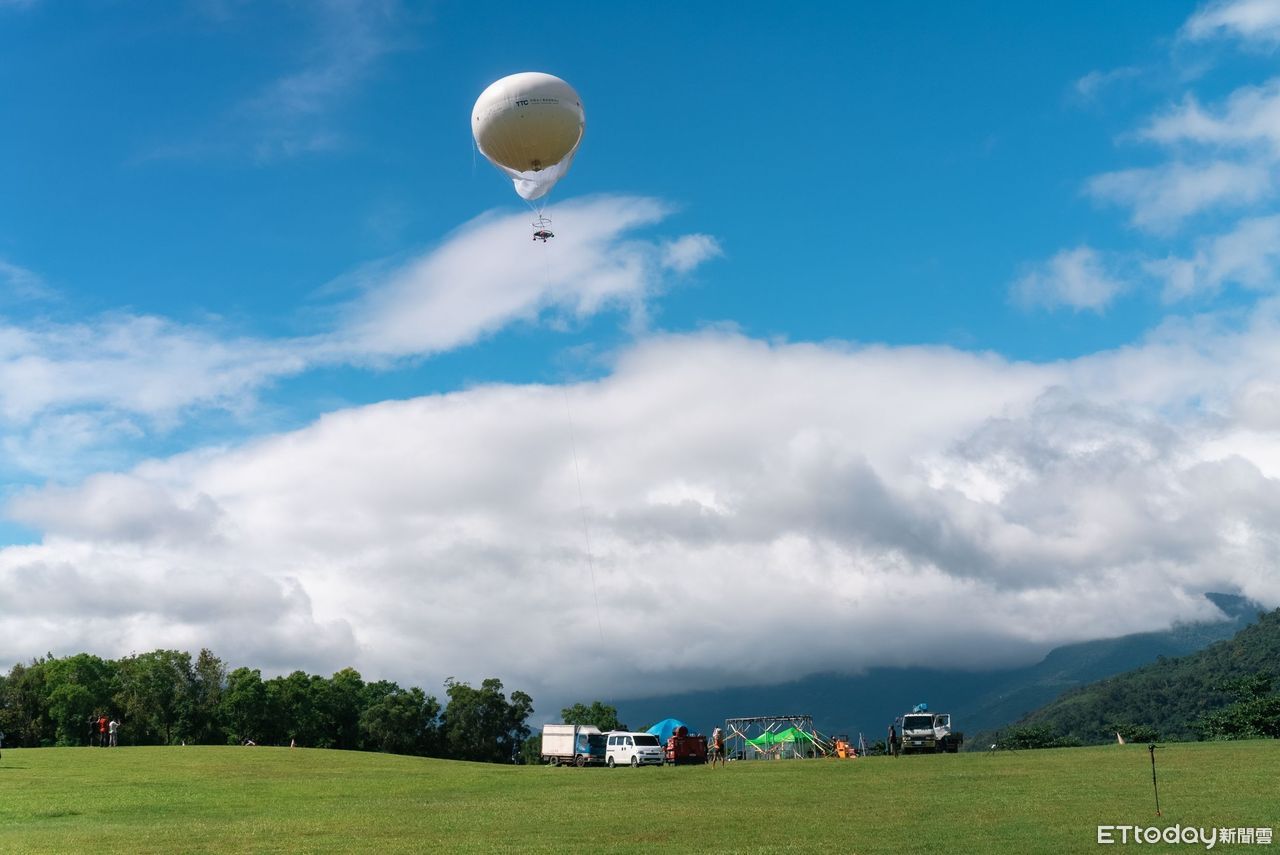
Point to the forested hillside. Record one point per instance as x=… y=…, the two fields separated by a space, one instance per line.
x=1170 y=695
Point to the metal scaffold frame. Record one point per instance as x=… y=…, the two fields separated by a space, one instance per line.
x=739 y=730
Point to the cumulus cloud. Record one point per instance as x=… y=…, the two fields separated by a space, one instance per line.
x=1077 y=278
x=1247 y=20
x=914 y=504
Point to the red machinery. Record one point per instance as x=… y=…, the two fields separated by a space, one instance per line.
x=683 y=747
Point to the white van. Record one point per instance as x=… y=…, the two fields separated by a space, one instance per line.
x=636 y=749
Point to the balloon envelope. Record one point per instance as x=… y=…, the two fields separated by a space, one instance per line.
x=529 y=125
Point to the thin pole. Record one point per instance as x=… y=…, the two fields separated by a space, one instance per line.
x=1154 y=786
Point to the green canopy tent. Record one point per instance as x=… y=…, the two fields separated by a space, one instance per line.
x=792 y=742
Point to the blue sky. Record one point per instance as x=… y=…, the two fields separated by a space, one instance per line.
x=981 y=299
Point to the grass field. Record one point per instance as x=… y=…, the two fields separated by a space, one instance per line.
x=230 y=799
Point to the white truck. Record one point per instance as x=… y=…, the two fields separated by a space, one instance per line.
x=927 y=732
x=572 y=744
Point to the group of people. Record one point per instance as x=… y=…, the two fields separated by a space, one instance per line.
x=103 y=732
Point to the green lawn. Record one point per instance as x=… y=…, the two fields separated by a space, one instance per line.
x=230 y=799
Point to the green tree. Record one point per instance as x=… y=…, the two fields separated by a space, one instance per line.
x=1254 y=715
x=1033 y=736
x=155 y=695
x=77 y=687
x=1134 y=732
x=208 y=679
x=296 y=712
x=342 y=698
x=598 y=714
x=24 y=713
x=243 y=708
x=531 y=750
x=402 y=721
x=480 y=724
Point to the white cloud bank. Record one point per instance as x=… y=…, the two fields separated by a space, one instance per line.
x=755 y=512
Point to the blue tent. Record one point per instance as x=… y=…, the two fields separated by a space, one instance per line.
x=666 y=727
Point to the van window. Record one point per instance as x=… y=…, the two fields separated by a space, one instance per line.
x=613 y=740
x=646 y=739
x=627 y=740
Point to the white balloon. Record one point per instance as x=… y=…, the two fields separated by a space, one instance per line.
x=529 y=125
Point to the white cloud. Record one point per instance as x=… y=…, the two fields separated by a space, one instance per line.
x=19 y=283
x=914 y=504
x=1092 y=85
x=1163 y=197
x=490 y=274
x=685 y=253
x=333 y=49
x=137 y=364
x=1250 y=117
x=1077 y=278
x=71 y=391
x=349 y=36
x=1249 y=256
x=1248 y=20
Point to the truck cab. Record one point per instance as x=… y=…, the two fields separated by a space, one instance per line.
x=928 y=732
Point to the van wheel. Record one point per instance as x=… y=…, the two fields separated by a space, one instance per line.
x=635 y=762
x=581 y=760
x=609 y=762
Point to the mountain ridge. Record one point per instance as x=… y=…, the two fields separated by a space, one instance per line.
x=978 y=700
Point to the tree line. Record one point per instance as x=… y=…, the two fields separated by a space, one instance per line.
x=167 y=697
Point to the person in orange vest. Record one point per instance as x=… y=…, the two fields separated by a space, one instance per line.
x=717 y=747
x=102 y=730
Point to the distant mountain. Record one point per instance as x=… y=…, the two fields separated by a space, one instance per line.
x=1170 y=694
x=977 y=700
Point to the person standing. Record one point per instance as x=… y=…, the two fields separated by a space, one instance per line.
x=894 y=744
x=717 y=747
x=93 y=729
x=113 y=728
x=102 y=730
